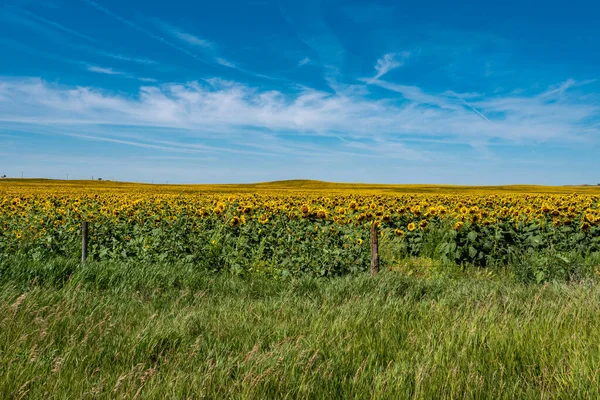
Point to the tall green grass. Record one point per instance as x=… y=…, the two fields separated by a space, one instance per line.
x=118 y=330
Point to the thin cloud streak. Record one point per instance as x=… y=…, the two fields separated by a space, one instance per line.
x=142 y=30
x=83 y=64
x=30 y=19
x=476 y=111
x=112 y=71
x=215 y=61
x=101 y=70
x=116 y=56
x=182 y=35
x=209 y=48
x=304 y=61
x=51 y=23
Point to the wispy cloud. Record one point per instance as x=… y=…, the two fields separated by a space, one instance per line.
x=102 y=70
x=116 y=56
x=414 y=94
x=83 y=64
x=476 y=111
x=21 y=15
x=211 y=55
x=45 y=26
x=225 y=62
x=141 y=29
x=389 y=62
x=210 y=50
x=232 y=108
x=307 y=19
x=304 y=61
x=186 y=37
x=111 y=71
x=193 y=40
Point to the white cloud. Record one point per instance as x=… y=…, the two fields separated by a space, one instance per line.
x=389 y=62
x=308 y=21
x=225 y=62
x=103 y=70
x=304 y=61
x=122 y=57
x=141 y=29
x=111 y=71
x=180 y=34
x=35 y=21
x=190 y=39
x=231 y=110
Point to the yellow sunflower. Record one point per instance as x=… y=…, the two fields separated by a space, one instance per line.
x=235 y=222
x=399 y=232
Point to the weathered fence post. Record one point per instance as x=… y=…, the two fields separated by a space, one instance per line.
x=374 y=249
x=84 y=241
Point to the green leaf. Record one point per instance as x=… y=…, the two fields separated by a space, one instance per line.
x=472 y=236
x=472 y=251
x=539 y=276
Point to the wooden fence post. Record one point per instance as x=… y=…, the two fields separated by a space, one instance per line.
x=84 y=241
x=374 y=249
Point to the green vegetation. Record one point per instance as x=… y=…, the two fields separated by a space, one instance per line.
x=125 y=330
x=261 y=291
x=302 y=228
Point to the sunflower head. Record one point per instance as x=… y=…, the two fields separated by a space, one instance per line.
x=411 y=227
x=458 y=225
x=585 y=226
x=423 y=224
x=556 y=221
x=398 y=232
x=591 y=218
x=235 y=222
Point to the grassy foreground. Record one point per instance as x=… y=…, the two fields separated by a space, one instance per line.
x=168 y=331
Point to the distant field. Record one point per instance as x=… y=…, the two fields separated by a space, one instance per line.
x=307 y=227
x=301 y=185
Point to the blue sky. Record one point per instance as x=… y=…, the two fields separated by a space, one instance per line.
x=462 y=92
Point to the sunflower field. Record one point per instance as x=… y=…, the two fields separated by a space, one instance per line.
x=297 y=229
